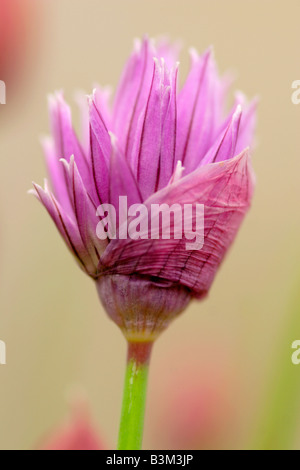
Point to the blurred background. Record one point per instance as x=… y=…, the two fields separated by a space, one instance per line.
x=221 y=376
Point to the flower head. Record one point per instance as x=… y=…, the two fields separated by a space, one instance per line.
x=155 y=146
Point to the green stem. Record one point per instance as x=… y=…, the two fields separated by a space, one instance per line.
x=279 y=417
x=134 y=397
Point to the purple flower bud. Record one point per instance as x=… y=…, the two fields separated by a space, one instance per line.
x=156 y=146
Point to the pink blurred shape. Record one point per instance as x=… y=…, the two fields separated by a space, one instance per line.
x=197 y=402
x=19 y=24
x=76 y=433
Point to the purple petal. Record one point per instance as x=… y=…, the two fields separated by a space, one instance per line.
x=225 y=189
x=67 y=226
x=132 y=95
x=102 y=97
x=168 y=51
x=57 y=174
x=168 y=145
x=148 y=152
x=195 y=113
x=82 y=102
x=65 y=140
x=85 y=213
x=225 y=146
x=100 y=153
x=122 y=180
x=247 y=127
x=178 y=173
x=219 y=100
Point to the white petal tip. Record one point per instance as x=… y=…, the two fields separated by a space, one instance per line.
x=32 y=192
x=113 y=138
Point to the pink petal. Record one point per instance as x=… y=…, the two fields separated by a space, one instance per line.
x=225 y=146
x=65 y=140
x=132 y=94
x=148 y=152
x=102 y=97
x=85 y=213
x=100 y=153
x=168 y=145
x=168 y=51
x=247 y=127
x=67 y=226
x=57 y=174
x=122 y=180
x=225 y=189
x=195 y=113
x=82 y=102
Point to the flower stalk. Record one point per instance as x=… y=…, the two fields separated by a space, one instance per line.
x=157 y=147
x=134 y=396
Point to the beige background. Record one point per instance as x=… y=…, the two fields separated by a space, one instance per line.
x=57 y=334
